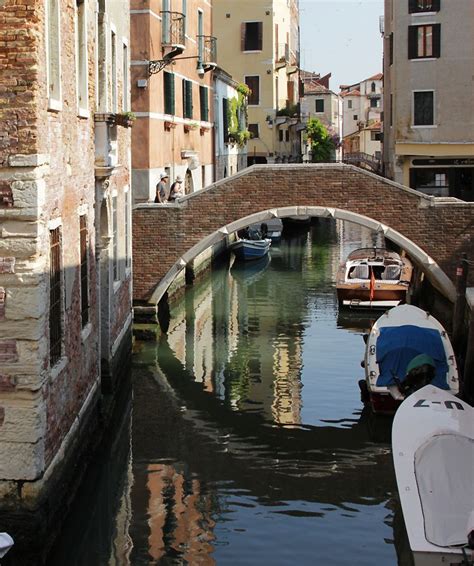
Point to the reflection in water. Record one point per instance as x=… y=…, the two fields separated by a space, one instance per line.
x=249 y=443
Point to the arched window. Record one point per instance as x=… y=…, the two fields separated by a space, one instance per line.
x=373 y=87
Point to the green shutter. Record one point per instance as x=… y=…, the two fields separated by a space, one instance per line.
x=204 y=100
x=189 y=99
x=169 y=97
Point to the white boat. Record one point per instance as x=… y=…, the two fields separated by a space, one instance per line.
x=400 y=336
x=6 y=542
x=373 y=278
x=433 y=454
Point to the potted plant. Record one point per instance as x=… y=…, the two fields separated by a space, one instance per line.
x=125 y=119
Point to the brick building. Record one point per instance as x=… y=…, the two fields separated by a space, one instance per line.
x=65 y=270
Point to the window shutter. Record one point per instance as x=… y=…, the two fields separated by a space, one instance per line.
x=260 y=36
x=412 y=6
x=189 y=99
x=225 y=120
x=243 y=27
x=412 y=42
x=204 y=100
x=436 y=5
x=436 y=40
x=183 y=83
x=169 y=93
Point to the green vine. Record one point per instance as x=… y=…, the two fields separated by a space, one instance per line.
x=237 y=116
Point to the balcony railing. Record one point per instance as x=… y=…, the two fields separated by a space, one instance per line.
x=207 y=49
x=173 y=29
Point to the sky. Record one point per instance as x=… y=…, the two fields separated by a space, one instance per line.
x=341 y=37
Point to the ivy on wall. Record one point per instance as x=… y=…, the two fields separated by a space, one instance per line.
x=237 y=116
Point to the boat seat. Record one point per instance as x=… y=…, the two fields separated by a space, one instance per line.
x=392 y=272
x=360 y=272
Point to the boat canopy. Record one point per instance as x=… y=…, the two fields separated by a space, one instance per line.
x=398 y=345
x=443 y=469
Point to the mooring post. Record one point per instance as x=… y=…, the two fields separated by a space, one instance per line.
x=460 y=304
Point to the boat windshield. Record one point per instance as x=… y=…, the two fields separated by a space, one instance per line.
x=443 y=469
x=398 y=345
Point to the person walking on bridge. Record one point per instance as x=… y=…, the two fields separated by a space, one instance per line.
x=162 y=191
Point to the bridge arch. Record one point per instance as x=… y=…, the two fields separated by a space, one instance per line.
x=433 y=271
x=167 y=237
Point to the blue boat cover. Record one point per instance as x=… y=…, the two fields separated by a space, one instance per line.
x=398 y=345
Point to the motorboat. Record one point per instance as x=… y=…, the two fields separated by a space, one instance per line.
x=251 y=245
x=433 y=454
x=6 y=542
x=271 y=229
x=405 y=348
x=373 y=278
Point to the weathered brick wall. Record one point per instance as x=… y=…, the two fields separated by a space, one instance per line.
x=161 y=234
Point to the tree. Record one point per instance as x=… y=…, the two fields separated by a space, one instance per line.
x=322 y=143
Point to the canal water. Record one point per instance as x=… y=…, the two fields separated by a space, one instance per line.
x=243 y=440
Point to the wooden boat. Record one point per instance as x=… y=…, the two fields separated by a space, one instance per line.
x=251 y=245
x=373 y=278
x=397 y=341
x=433 y=454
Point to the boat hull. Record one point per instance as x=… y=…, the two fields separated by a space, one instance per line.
x=433 y=431
x=356 y=288
x=381 y=400
x=250 y=249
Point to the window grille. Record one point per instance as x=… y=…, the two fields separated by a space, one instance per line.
x=84 y=240
x=55 y=295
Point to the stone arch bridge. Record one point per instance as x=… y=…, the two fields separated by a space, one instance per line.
x=434 y=231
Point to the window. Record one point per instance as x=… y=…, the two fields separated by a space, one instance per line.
x=54 y=69
x=253 y=129
x=81 y=54
x=287 y=135
x=125 y=81
x=113 y=70
x=390 y=47
x=280 y=135
x=84 y=249
x=416 y=6
x=349 y=104
x=372 y=87
x=320 y=105
x=187 y=99
x=168 y=85
x=225 y=120
x=424 y=41
x=374 y=102
x=55 y=296
x=115 y=239
x=391 y=109
x=423 y=108
x=204 y=103
x=375 y=136
x=200 y=38
x=251 y=36
x=253 y=83
x=184 y=10
x=356 y=117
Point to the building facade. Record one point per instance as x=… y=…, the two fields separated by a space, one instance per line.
x=259 y=46
x=428 y=96
x=65 y=269
x=173 y=50
x=230 y=155
x=320 y=102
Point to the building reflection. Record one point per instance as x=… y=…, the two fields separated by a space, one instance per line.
x=179 y=517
